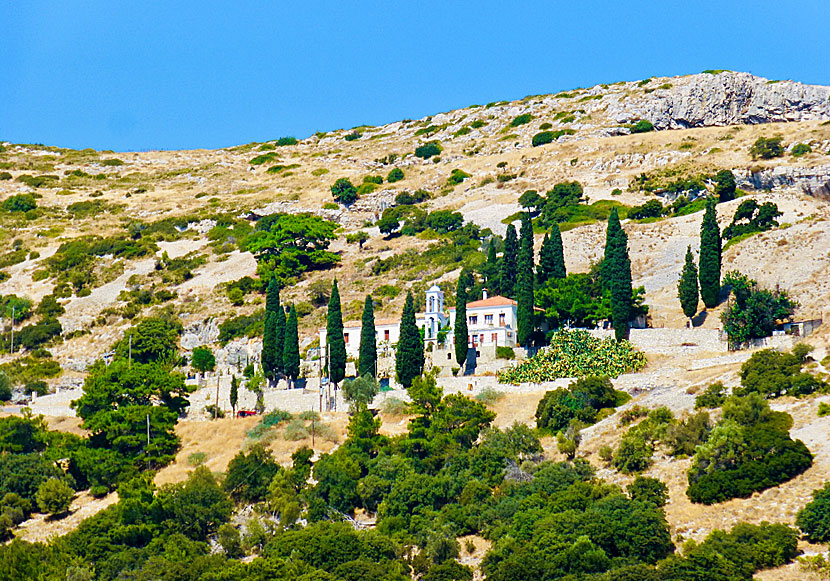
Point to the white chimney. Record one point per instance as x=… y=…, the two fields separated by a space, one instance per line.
x=484 y=294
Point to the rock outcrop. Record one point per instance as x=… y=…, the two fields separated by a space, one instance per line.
x=814 y=181
x=725 y=98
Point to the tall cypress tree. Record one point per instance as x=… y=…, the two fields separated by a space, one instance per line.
x=710 y=256
x=409 y=360
x=551 y=257
x=269 y=346
x=279 y=316
x=524 y=284
x=334 y=337
x=687 y=286
x=616 y=272
x=272 y=296
x=508 y=263
x=460 y=332
x=291 y=351
x=367 y=363
x=234 y=395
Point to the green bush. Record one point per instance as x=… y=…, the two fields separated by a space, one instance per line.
x=411 y=198
x=54 y=496
x=773 y=373
x=712 y=397
x=19 y=203
x=428 y=150
x=581 y=401
x=4 y=175
x=814 y=519
x=395 y=175
x=457 y=176
x=344 y=191
x=352 y=136
x=283 y=141
x=503 y=352
x=370 y=179
x=801 y=149
x=522 y=119
x=642 y=126
x=546 y=137
x=767 y=147
x=366 y=188
x=545 y=126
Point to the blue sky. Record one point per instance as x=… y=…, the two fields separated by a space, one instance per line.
x=172 y=75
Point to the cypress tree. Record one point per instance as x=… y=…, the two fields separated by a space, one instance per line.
x=551 y=257
x=291 y=351
x=269 y=346
x=524 y=284
x=367 y=363
x=616 y=272
x=710 y=256
x=460 y=332
x=280 y=338
x=334 y=337
x=687 y=286
x=409 y=360
x=507 y=270
x=272 y=296
x=234 y=393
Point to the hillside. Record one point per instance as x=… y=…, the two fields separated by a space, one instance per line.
x=171 y=230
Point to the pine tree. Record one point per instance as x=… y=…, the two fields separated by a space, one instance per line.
x=710 y=257
x=460 y=332
x=508 y=263
x=269 y=346
x=367 y=363
x=291 y=351
x=687 y=290
x=409 y=360
x=334 y=337
x=616 y=273
x=234 y=393
x=524 y=284
x=551 y=257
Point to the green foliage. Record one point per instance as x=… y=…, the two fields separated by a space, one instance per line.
x=710 y=257
x=241 y=326
x=576 y=354
x=649 y=491
x=712 y=397
x=545 y=137
x=751 y=217
x=288 y=245
x=801 y=149
x=249 y=475
x=767 y=147
x=752 y=313
x=395 y=175
x=368 y=355
x=503 y=352
x=54 y=496
x=749 y=450
x=291 y=347
x=457 y=176
x=361 y=390
x=774 y=374
x=152 y=339
x=461 y=339
x=641 y=126
x=551 y=257
x=525 y=325
x=725 y=185
x=522 y=119
x=508 y=265
x=409 y=356
x=19 y=203
x=616 y=275
x=428 y=150
x=334 y=337
x=634 y=454
x=203 y=359
x=687 y=289
x=651 y=209
x=814 y=519
x=344 y=191
x=22 y=307
x=581 y=401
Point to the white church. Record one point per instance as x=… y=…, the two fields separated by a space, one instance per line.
x=491 y=321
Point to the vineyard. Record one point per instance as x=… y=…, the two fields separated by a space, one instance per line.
x=576 y=354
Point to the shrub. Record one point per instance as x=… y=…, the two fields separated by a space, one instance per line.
x=428 y=150
x=296 y=430
x=457 y=176
x=712 y=397
x=581 y=401
x=411 y=198
x=489 y=396
x=814 y=519
x=767 y=147
x=503 y=352
x=112 y=162
x=648 y=490
x=651 y=209
x=353 y=136
x=283 y=141
x=774 y=373
x=19 y=203
x=365 y=188
x=801 y=149
x=54 y=496
x=4 y=175
x=395 y=175
x=549 y=136
x=823 y=409
x=344 y=191
x=394 y=406
x=522 y=119
x=642 y=126
x=545 y=126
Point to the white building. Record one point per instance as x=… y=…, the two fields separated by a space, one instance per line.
x=490 y=321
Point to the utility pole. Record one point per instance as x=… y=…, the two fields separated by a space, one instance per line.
x=11 y=351
x=216 y=406
x=312 y=427
x=131 y=350
x=148 y=429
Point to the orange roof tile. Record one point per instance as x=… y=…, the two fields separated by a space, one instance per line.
x=496 y=301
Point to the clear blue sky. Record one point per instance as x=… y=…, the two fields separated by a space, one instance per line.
x=181 y=74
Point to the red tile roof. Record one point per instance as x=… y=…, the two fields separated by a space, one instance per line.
x=496 y=301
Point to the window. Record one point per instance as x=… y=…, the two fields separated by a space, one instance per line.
x=488 y=319
x=346 y=338
x=386 y=335
x=494 y=337
x=474 y=319
x=481 y=339
x=501 y=319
